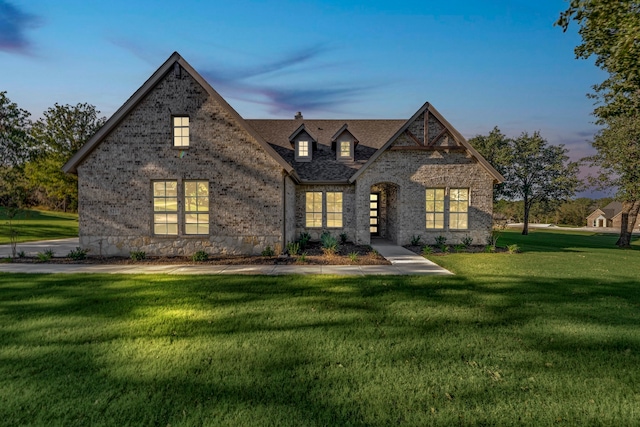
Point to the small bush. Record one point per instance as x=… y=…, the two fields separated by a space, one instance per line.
x=304 y=239
x=329 y=244
x=199 y=256
x=467 y=241
x=513 y=249
x=268 y=251
x=78 y=254
x=459 y=248
x=137 y=255
x=415 y=240
x=353 y=256
x=343 y=238
x=45 y=256
x=445 y=249
x=441 y=241
x=21 y=254
x=293 y=248
x=489 y=249
x=302 y=258
x=427 y=250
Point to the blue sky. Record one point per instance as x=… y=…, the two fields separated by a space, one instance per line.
x=480 y=63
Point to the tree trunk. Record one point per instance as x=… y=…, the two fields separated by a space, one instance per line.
x=629 y=216
x=525 y=226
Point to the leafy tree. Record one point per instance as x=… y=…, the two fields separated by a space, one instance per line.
x=538 y=173
x=618 y=163
x=495 y=149
x=58 y=136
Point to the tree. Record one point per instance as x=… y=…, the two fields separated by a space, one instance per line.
x=495 y=149
x=610 y=31
x=537 y=173
x=58 y=136
x=618 y=163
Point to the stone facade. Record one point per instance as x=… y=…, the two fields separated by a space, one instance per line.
x=348 y=211
x=115 y=180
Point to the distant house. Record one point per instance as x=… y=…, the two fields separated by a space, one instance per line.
x=177 y=170
x=609 y=216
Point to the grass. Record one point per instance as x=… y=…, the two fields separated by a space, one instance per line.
x=545 y=337
x=35 y=225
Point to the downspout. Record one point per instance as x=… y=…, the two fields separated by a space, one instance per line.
x=284 y=210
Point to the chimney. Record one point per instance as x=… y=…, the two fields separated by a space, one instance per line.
x=298 y=116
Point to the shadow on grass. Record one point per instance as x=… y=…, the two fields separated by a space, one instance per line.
x=79 y=349
x=562 y=241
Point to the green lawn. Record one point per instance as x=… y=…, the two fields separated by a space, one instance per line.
x=547 y=337
x=39 y=225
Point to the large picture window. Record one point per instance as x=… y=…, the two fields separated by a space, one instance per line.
x=435 y=208
x=165 y=208
x=196 y=207
x=459 y=208
x=313 y=212
x=334 y=209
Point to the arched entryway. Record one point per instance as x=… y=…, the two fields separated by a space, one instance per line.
x=383 y=211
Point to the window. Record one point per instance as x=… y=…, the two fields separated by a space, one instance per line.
x=435 y=208
x=313 y=209
x=181 y=131
x=303 y=148
x=345 y=149
x=334 y=210
x=459 y=208
x=196 y=207
x=165 y=208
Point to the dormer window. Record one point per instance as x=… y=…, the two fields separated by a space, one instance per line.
x=345 y=149
x=344 y=143
x=303 y=148
x=181 y=131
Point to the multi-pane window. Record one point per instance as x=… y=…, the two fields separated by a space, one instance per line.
x=435 y=208
x=313 y=212
x=196 y=207
x=334 y=209
x=345 y=149
x=165 y=208
x=459 y=208
x=303 y=148
x=181 y=131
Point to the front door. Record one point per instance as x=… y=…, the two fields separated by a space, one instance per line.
x=374 y=201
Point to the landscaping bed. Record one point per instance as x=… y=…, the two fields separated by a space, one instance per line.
x=313 y=254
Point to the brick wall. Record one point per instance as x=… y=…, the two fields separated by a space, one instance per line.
x=348 y=211
x=115 y=180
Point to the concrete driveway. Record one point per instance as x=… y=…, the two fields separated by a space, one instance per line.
x=59 y=247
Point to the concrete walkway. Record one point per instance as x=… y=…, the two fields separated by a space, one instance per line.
x=403 y=262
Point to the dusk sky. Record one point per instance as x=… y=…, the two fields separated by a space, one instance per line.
x=480 y=63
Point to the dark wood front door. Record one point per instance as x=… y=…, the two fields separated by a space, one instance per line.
x=374 y=202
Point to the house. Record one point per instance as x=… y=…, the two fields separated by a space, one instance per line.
x=609 y=216
x=176 y=170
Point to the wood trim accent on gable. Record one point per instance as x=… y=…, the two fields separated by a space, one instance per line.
x=413 y=137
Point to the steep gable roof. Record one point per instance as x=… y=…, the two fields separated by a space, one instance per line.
x=139 y=95
x=612 y=210
x=457 y=136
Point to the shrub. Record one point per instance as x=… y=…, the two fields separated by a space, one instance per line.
x=445 y=249
x=268 y=251
x=513 y=249
x=427 y=250
x=200 y=256
x=21 y=254
x=343 y=238
x=415 y=240
x=304 y=239
x=302 y=258
x=467 y=241
x=353 y=256
x=45 y=256
x=441 y=241
x=489 y=249
x=459 y=248
x=293 y=248
x=329 y=243
x=78 y=254
x=137 y=255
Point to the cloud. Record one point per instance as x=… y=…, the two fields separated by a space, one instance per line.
x=13 y=24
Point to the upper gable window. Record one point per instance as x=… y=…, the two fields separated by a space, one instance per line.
x=345 y=150
x=303 y=148
x=181 y=131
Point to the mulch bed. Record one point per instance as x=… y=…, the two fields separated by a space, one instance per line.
x=313 y=255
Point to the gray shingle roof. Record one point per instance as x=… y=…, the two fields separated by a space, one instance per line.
x=612 y=209
x=371 y=135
